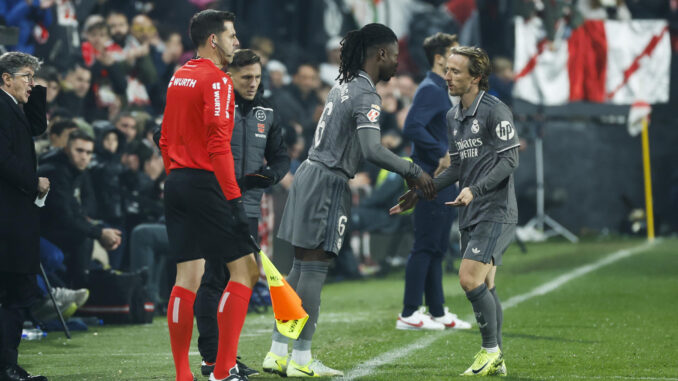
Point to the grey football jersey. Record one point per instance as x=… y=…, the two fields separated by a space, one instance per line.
x=350 y=107
x=477 y=136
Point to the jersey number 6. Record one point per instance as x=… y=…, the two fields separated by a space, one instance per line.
x=327 y=111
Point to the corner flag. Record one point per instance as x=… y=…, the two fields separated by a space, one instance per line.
x=290 y=316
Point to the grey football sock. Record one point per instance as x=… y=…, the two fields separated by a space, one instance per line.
x=486 y=314
x=313 y=274
x=293 y=279
x=500 y=314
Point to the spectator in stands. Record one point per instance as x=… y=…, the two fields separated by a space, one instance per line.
x=58 y=135
x=108 y=77
x=127 y=124
x=75 y=88
x=63 y=42
x=166 y=62
x=48 y=77
x=330 y=70
x=501 y=79
x=145 y=31
x=149 y=248
x=264 y=48
x=31 y=17
x=141 y=183
x=390 y=105
x=298 y=102
x=135 y=58
x=105 y=170
x=278 y=73
x=65 y=220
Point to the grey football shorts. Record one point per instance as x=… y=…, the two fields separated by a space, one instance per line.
x=486 y=241
x=318 y=209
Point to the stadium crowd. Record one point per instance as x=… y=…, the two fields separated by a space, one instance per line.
x=106 y=69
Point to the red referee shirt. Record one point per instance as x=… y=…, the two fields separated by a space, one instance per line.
x=198 y=123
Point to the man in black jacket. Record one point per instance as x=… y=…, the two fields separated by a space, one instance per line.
x=64 y=220
x=19 y=218
x=261 y=160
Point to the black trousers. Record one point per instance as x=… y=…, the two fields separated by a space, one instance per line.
x=17 y=293
x=212 y=285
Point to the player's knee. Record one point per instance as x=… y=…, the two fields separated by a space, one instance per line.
x=254 y=274
x=468 y=282
x=188 y=281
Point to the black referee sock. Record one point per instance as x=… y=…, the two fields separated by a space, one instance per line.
x=486 y=314
x=500 y=314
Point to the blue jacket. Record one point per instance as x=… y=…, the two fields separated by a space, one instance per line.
x=19 y=14
x=425 y=124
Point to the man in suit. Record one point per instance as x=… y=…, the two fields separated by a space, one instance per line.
x=19 y=218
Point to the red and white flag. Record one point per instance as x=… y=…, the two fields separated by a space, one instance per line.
x=619 y=62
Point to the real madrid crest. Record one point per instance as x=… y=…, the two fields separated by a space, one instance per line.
x=475 y=127
x=260 y=115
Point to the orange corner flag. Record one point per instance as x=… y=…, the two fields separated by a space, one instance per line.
x=290 y=316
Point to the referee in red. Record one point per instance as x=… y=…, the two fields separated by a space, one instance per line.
x=204 y=211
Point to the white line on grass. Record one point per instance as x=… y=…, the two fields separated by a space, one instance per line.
x=617 y=378
x=368 y=367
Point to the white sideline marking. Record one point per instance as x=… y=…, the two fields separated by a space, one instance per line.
x=367 y=368
x=618 y=378
x=576 y=273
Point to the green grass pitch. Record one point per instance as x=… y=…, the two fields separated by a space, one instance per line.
x=617 y=320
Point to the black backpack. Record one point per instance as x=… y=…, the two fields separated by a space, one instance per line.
x=118 y=298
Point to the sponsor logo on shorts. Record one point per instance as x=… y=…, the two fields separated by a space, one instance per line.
x=475 y=250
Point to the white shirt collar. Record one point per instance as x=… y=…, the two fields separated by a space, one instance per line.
x=10 y=95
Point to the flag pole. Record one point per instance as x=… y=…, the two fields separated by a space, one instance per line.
x=649 y=213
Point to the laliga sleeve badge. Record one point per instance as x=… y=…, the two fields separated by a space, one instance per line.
x=373 y=115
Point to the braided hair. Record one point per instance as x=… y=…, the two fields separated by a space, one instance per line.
x=354 y=48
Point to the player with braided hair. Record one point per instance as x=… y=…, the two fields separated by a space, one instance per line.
x=319 y=203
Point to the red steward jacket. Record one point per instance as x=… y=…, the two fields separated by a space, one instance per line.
x=198 y=123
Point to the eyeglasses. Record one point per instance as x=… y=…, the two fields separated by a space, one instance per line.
x=28 y=77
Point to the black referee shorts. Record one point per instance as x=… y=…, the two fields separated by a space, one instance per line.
x=199 y=224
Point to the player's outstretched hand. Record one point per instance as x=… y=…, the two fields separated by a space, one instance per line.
x=425 y=183
x=405 y=202
x=465 y=197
